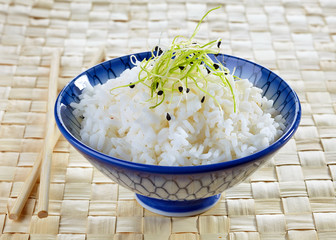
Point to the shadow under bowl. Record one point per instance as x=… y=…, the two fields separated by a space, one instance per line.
x=186 y=190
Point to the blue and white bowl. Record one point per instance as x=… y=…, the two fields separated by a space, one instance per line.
x=178 y=191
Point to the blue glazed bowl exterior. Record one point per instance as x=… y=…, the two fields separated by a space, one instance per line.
x=178 y=183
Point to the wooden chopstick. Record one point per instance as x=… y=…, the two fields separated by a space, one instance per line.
x=43 y=201
x=28 y=185
x=98 y=57
x=46 y=163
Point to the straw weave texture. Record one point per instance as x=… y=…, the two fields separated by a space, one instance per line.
x=292 y=197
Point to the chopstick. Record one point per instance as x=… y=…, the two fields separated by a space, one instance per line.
x=98 y=57
x=43 y=201
x=46 y=164
x=28 y=185
x=52 y=133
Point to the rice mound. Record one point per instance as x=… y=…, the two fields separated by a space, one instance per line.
x=120 y=123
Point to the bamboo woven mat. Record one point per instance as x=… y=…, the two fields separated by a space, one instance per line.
x=292 y=197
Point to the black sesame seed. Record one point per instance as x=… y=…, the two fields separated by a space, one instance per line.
x=202 y=100
x=158 y=50
x=180 y=88
x=226 y=73
x=208 y=70
x=132 y=86
x=168 y=117
x=187 y=90
x=155 y=85
x=160 y=92
x=219 y=43
x=191 y=63
x=181 y=67
x=216 y=55
x=216 y=66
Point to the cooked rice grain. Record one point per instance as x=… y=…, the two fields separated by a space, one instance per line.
x=119 y=123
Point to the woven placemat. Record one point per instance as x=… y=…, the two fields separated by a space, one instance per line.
x=292 y=197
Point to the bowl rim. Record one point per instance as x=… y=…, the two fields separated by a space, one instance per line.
x=177 y=170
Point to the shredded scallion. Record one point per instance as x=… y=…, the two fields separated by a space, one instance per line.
x=180 y=66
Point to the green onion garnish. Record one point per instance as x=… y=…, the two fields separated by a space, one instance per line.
x=180 y=66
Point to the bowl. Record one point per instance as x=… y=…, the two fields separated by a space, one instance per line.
x=173 y=190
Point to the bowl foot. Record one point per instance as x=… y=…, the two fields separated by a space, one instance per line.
x=172 y=208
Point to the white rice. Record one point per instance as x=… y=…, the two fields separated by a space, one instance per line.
x=119 y=123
